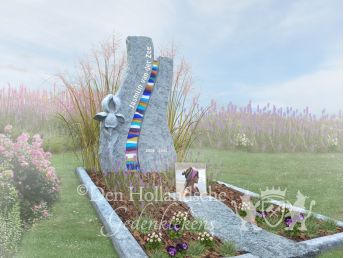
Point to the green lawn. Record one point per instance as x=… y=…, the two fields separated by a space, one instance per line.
x=73 y=230
x=337 y=253
x=318 y=176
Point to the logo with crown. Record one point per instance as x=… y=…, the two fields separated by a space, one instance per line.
x=273 y=193
x=272 y=214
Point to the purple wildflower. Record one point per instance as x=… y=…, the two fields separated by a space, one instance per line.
x=288 y=221
x=179 y=247
x=261 y=214
x=167 y=226
x=176 y=227
x=171 y=250
x=182 y=246
x=185 y=246
x=301 y=216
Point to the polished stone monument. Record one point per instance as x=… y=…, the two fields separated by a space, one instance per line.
x=134 y=132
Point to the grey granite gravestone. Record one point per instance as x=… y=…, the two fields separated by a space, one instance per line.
x=134 y=131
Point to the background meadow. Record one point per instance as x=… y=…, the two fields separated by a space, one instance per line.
x=243 y=128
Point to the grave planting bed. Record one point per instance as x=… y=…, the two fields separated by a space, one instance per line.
x=226 y=225
x=162 y=212
x=323 y=233
x=316 y=227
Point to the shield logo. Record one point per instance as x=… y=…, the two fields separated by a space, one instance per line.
x=272 y=214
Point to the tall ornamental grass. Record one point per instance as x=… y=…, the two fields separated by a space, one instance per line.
x=271 y=129
x=184 y=114
x=97 y=77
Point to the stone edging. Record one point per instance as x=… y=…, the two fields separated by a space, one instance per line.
x=122 y=240
x=127 y=246
x=322 y=243
x=246 y=256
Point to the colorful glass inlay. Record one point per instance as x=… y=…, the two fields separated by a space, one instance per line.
x=131 y=153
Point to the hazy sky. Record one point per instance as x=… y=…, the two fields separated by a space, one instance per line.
x=288 y=53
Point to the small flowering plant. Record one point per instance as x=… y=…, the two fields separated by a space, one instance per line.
x=260 y=216
x=243 y=207
x=293 y=225
x=242 y=141
x=179 y=218
x=171 y=250
x=154 y=240
x=175 y=229
x=206 y=239
x=177 y=251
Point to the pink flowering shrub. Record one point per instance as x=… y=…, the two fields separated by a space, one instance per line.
x=33 y=175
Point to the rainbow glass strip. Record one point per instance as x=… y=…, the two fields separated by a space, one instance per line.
x=131 y=152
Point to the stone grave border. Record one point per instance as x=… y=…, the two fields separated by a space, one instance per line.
x=322 y=243
x=126 y=245
x=122 y=240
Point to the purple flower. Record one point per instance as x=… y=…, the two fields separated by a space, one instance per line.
x=167 y=226
x=171 y=250
x=301 y=216
x=179 y=247
x=176 y=227
x=182 y=246
x=288 y=221
x=261 y=214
